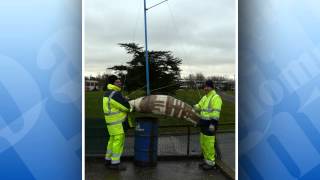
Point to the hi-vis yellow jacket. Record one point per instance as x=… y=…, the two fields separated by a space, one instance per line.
x=209 y=106
x=116 y=109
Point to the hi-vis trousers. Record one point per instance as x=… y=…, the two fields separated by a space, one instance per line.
x=115 y=148
x=207 y=148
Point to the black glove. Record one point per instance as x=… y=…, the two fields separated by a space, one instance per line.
x=125 y=126
x=214 y=122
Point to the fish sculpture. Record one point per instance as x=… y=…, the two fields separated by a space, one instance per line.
x=165 y=105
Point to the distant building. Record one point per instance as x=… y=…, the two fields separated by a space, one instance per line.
x=218 y=84
x=186 y=83
x=91 y=85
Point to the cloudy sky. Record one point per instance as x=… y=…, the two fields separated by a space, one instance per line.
x=201 y=33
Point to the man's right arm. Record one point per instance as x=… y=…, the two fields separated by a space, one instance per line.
x=120 y=102
x=197 y=107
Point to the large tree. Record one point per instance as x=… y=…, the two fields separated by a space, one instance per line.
x=163 y=66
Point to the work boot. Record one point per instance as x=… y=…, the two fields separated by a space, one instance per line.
x=107 y=162
x=207 y=167
x=118 y=167
x=201 y=164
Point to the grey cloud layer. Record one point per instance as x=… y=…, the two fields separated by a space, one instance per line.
x=199 y=32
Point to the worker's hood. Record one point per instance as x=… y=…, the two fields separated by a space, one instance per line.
x=113 y=87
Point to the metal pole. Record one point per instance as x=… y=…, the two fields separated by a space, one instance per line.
x=188 y=142
x=146 y=44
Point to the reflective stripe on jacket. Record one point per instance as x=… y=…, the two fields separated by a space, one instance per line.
x=116 y=109
x=210 y=106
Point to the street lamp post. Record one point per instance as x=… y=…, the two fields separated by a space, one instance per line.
x=146 y=42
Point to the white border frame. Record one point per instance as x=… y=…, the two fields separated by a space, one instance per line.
x=82 y=87
x=83 y=91
x=236 y=89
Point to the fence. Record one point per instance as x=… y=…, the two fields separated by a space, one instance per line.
x=173 y=141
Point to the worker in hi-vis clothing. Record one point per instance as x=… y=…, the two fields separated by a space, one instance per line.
x=116 y=112
x=209 y=107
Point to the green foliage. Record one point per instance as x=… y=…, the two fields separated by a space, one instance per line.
x=135 y=94
x=163 y=66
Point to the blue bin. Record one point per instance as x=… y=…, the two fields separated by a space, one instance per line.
x=146 y=141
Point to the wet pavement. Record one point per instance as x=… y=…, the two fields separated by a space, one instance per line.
x=166 y=170
x=175 y=168
x=176 y=145
x=226 y=145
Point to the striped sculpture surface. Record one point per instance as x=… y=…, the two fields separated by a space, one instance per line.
x=165 y=105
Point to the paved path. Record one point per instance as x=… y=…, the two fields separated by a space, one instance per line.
x=226 y=96
x=165 y=170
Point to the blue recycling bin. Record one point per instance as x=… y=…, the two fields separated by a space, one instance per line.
x=146 y=141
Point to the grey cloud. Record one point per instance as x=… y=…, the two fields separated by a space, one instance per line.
x=199 y=32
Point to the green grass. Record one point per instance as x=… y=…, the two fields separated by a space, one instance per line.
x=230 y=93
x=93 y=107
x=93 y=103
